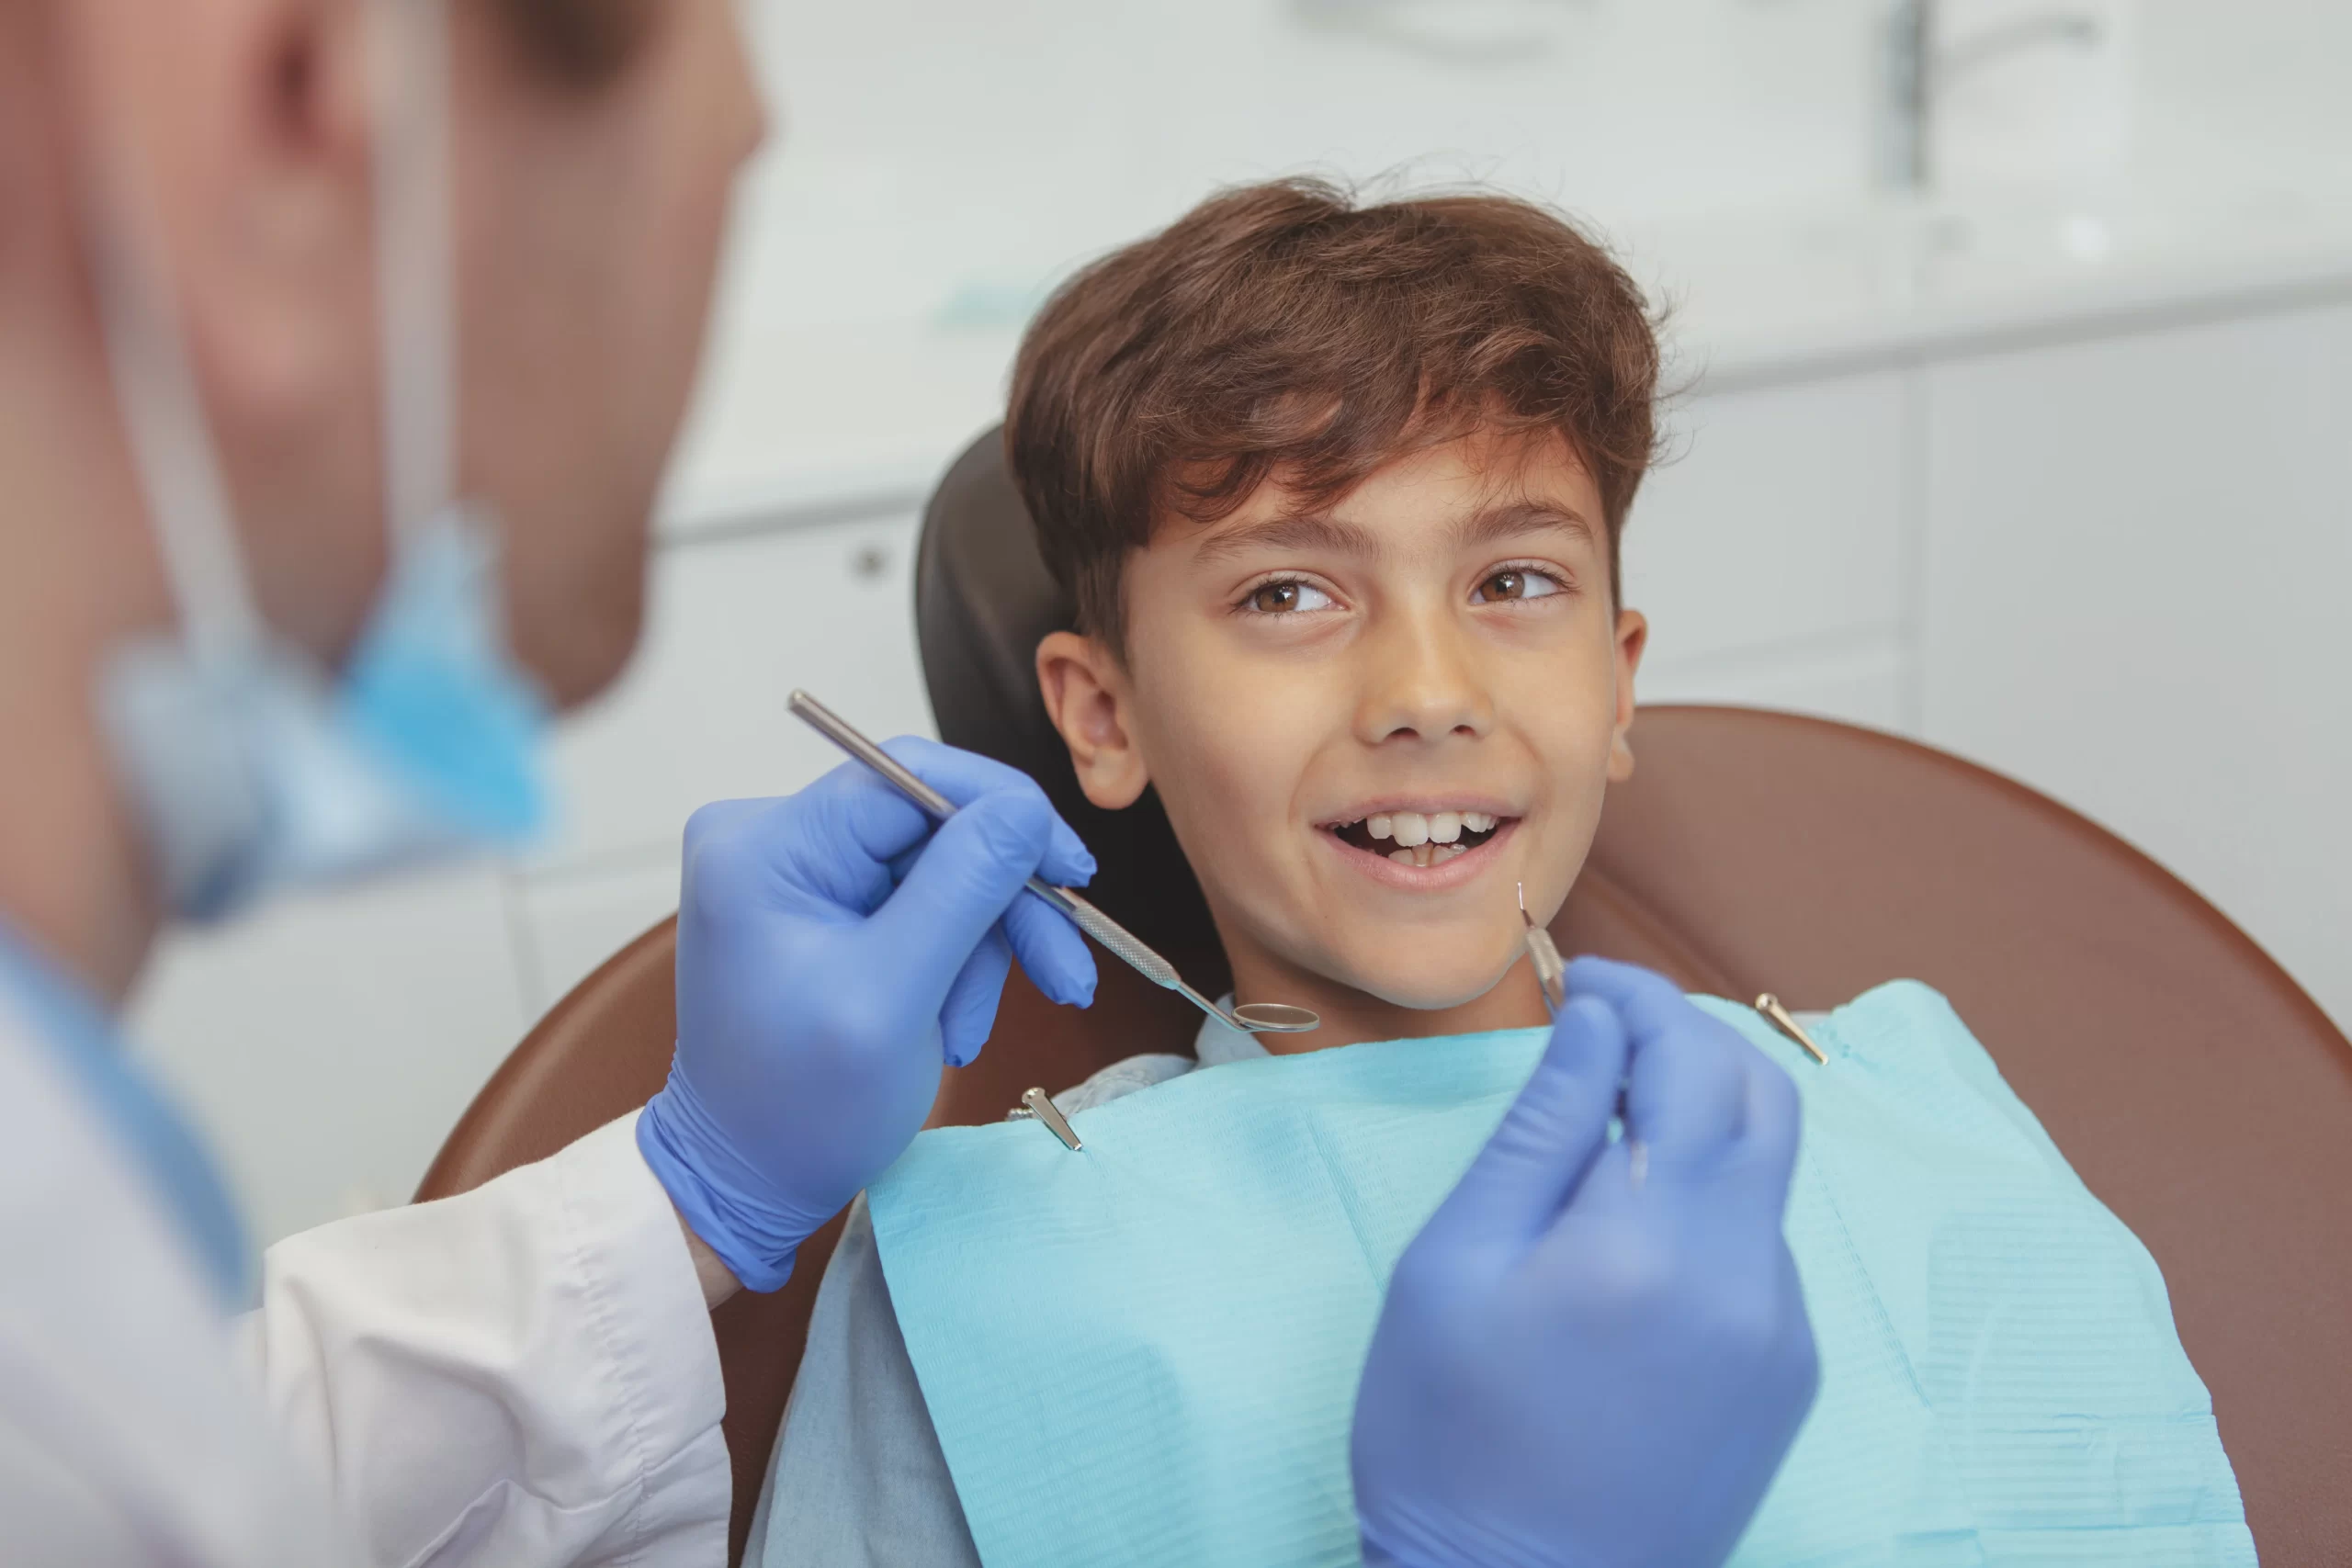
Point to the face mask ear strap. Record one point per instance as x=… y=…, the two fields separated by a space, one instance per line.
x=163 y=418
x=410 y=48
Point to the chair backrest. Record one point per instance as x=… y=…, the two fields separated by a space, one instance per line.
x=2195 y=1088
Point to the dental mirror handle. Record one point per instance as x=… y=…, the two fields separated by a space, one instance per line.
x=939 y=808
x=1113 y=936
x=837 y=729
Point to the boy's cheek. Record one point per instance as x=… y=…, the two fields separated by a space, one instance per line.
x=1229 y=759
x=1233 y=738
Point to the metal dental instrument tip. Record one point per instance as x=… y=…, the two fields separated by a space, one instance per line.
x=1769 y=1005
x=1040 y=1104
x=1544 y=954
x=1250 y=1018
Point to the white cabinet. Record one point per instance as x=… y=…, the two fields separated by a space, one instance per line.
x=1867 y=682
x=733 y=625
x=1770 y=550
x=2138 y=552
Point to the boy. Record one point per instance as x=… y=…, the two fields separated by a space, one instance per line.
x=1337 y=493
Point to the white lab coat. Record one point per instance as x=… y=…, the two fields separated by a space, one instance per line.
x=523 y=1375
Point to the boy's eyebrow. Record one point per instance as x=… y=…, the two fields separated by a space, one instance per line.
x=1312 y=531
x=1334 y=535
x=1512 y=519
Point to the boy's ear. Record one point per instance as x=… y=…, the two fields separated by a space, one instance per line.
x=1633 y=636
x=1086 y=694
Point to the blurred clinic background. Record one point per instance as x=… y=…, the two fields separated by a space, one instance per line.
x=2020 y=346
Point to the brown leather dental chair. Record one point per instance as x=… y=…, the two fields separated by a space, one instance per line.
x=2195 y=1088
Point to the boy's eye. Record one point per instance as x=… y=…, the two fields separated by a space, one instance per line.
x=1287 y=596
x=1516 y=582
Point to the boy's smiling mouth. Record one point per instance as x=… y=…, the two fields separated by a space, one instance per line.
x=1420 y=839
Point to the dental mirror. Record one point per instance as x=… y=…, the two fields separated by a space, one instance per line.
x=1276 y=1018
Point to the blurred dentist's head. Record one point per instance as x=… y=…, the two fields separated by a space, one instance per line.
x=595 y=144
x=593 y=148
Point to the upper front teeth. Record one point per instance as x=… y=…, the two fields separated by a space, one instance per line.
x=1412 y=828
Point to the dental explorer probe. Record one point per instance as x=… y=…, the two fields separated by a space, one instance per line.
x=1267 y=1017
x=1545 y=956
x=1552 y=973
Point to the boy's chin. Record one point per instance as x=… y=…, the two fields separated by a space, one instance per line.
x=1428 y=985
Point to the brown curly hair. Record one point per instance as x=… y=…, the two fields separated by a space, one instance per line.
x=1286 y=328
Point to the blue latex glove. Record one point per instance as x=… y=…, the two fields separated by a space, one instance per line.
x=834 y=952
x=1588 y=1358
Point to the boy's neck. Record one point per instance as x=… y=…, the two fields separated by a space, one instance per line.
x=1352 y=1017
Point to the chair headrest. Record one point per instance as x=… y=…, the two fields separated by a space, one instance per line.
x=983 y=601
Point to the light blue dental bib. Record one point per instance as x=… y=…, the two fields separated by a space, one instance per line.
x=1147 y=1352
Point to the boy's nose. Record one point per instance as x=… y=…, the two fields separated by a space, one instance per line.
x=1420 y=678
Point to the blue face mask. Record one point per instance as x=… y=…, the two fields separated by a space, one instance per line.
x=253 y=772
x=252 y=768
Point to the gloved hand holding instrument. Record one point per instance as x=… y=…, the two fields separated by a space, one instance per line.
x=835 y=952
x=1577 y=1368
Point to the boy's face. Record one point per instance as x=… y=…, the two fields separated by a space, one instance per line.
x=1369 y=723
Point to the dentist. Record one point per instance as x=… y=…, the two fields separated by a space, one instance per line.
x=342 y=346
